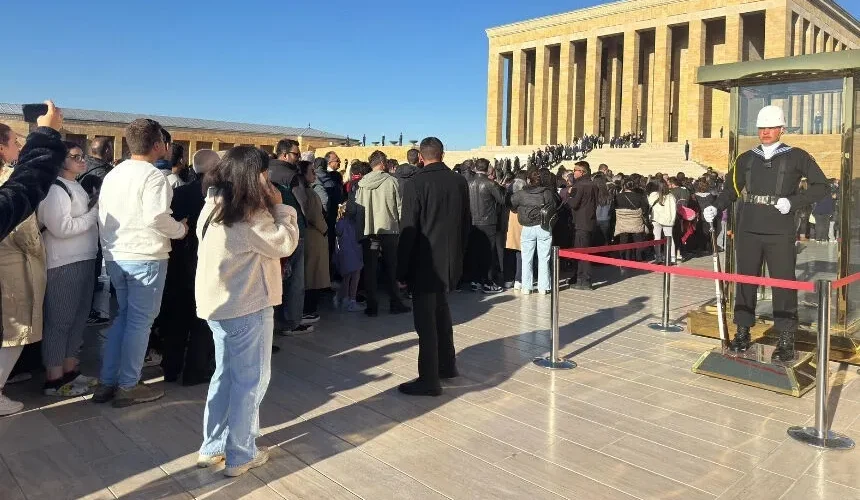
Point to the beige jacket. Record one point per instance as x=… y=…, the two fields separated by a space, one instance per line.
x=238 y=267
x=22 y=280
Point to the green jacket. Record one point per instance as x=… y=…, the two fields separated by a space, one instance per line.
x=378 y=199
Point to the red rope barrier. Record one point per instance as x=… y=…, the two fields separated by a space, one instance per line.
x=615 y=248
x=689 y=272
x=846 y=280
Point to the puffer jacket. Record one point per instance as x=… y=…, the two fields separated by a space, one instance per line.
x=663 y=213
x=528 y=201
x=485 y=200
x=22 y=280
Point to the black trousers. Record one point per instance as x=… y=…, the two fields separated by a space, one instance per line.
x=822 y=226
x=582 y=239
x=435 y=335
x=488 y=255
x=186 y=340
x=625 y=238
x=386 y=246
x=778 y=252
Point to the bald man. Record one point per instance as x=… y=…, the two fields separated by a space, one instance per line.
x=99 y=158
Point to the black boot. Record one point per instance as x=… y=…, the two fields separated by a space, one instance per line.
x=784 y=351
x=741 y=342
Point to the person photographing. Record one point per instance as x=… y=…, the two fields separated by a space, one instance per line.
x=769 y=176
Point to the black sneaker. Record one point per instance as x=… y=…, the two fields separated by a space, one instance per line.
x=492 y=289
x=309 y=319
x=299 y=330
x=96 y=319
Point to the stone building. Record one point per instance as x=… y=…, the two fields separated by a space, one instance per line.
x=82 y=126
x=631 y=66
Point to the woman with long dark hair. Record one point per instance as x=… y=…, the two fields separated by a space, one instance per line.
x=664 y=211
x=527 y=204
x=244 y=230
x=631 y=211
x=605 y=208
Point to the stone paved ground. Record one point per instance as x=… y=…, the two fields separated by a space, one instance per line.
x=631 y=421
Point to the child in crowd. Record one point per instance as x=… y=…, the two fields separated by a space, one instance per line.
x=348 y=260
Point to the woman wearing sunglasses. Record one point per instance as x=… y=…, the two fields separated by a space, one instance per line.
x=69 y=225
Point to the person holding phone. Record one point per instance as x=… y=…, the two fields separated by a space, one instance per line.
x=36 y=167
x=22 y=262
x=69 y=223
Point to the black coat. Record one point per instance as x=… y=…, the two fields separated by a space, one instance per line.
x=485 y=200
x=584 y=204
x=187 y=204
x=434 y=228
x=38 y=166
x=528 y=201
x=762 y=175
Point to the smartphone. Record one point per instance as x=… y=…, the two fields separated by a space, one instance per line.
x=34 y=111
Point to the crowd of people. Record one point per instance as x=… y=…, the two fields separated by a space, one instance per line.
x=210 y=259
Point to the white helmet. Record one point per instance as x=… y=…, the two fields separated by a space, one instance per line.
x=770 y=116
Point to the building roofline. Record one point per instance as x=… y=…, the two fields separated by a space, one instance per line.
x=600 y=10
x=174 y=122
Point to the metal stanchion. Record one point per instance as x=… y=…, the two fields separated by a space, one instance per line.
x=821 y=436
x=665 y=325
x=554 y=362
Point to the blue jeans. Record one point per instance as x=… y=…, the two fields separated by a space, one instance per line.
x=293 y=297
x=243 y=366
x=534 y=236
x=139 y=285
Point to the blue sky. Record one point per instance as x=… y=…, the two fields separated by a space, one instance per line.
x=381 y=67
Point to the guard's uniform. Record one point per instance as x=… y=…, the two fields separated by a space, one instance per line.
x=763 y=234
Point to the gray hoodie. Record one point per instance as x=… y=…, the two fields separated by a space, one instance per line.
x=378 y=197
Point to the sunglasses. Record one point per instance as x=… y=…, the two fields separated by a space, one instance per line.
x=77 y=157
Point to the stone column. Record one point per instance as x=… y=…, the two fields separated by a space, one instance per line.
x=630 y=82
x=594 y=47
x=216 y=145
x=614 y=66
x=733 y=51
x=566 y=71
x=691 y=125
x=659 y=118
x=777 y=26
x=192 y=148
x=495 y=94
x=818 y=101
x=807 y=100
x=117 y=147
x=518 y=99
x=796 y=107
x=540 y=124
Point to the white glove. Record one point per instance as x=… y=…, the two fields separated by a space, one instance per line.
x=709 y=213
x=783 y=205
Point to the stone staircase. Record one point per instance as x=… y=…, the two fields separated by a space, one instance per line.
x=649 y=159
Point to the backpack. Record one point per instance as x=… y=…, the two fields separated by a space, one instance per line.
x=58 y=182
x=548 y=215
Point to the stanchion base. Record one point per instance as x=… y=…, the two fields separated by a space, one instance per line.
x=670 y=328
x=554 y=365
x=832 y=441
x=754 y=368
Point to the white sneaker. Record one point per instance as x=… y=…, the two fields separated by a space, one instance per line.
x=517 y=285
x=8 y=407
x=261 y=458
x=84 y=381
